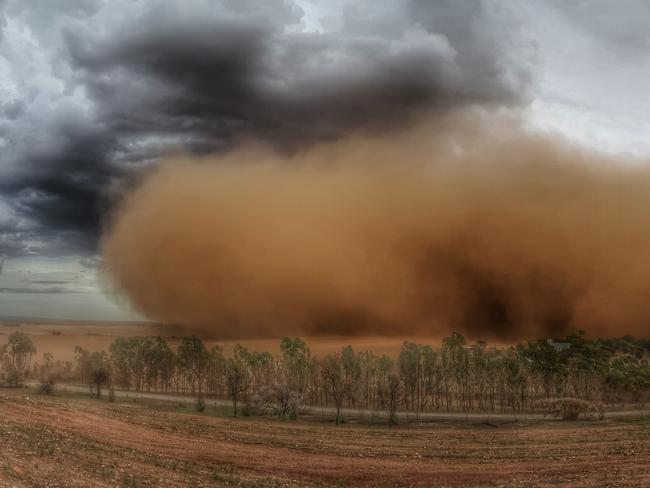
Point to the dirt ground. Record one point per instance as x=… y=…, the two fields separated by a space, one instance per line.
x=75 y=441
x=60 y=338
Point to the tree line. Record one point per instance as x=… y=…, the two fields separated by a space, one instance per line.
x=455 y=377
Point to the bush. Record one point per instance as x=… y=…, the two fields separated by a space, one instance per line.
x=199 y=406
x=597 y=409
x=277 y=400
x=254 y=405
x=46 y=387
x=14 y=378
x=570 y=408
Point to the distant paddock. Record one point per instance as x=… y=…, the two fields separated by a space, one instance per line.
x=60 y=339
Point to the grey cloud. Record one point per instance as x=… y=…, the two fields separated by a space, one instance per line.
x=90 y=262
x=198 y=75
x=621 y=24
x=52 y=290
x=51 y=282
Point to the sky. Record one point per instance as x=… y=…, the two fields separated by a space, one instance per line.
x=94 y=92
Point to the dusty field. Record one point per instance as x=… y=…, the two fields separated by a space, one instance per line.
x=60 y=338
x=64 y=441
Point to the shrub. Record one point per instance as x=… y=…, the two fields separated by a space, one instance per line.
x=277 y=400
x=598 y=409
x=570 y=408
x=14 y=378
x=199 y=406
x=46 y=386
x=254 y=405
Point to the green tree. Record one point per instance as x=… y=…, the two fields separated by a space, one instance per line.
x=295 y=359
x=216 y=372
x=159 y=363
x=332 y=374
x=19 y=349
x=192 y=358
x=236 y=379
x=351 y=373
x=93 y=368
x=545 y=364
x=409 y=363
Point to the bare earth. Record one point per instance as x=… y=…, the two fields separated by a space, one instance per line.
x=72 y=441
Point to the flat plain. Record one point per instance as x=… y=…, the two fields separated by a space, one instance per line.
x=60 y=338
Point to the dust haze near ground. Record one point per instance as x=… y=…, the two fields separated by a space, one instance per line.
x=468 y=222
x=60 y=338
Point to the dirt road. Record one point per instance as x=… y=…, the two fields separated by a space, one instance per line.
x=353 y=412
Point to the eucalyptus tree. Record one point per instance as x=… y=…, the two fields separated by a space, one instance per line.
x=428 y=375
x=543 y=361
x=19 y=349
x=120 y=358
x=389 y=387
x=351 y=374
x=479 y=380
x=587 y=362
x=514 y=381
x=129 y=356
x=100 y=371
x=332 y=375
x=455 y=376
x=159 y=364
x=296 y=359
x=368 y=380
x=260 y=365
x=216 y=372
x=94 y=368
x=409 y=365
x=236 y=380
x=192 y=359
x=390 y=394
x=627 y=379
x=457 y=369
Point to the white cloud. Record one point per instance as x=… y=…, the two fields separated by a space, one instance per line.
x=594 y=66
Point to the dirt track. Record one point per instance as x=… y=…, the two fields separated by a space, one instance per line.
x=73 y=442
x=353 y=412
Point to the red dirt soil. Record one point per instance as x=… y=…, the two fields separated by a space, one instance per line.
x=73 y=442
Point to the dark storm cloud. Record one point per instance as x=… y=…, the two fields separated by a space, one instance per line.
x=61 y=191
x=211 y=81
x=198 y=76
